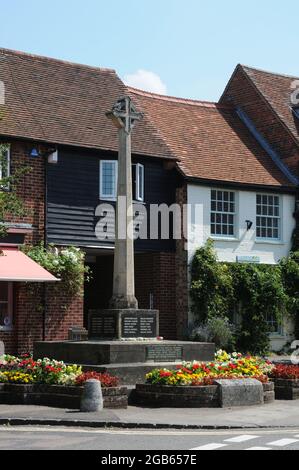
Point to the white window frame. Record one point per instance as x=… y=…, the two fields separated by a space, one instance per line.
x=7 y=164
x=9 y=307
x=108 y=197
x=279 y=218
x=139 y=181
x=229 y=213
x=139 y=189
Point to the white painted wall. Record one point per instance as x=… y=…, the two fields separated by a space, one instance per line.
x=245 y=243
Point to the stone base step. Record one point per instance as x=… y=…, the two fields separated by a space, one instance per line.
x=124 y=352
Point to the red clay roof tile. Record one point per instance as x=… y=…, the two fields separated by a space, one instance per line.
x=210 y=140
x=64 y=103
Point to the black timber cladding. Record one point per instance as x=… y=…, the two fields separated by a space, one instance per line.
x=73 y=195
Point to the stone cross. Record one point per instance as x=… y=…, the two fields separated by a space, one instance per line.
x=124 y=116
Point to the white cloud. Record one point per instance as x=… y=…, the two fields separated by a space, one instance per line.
x=145 y=80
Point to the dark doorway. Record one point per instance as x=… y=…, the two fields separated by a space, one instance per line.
x=98 y=291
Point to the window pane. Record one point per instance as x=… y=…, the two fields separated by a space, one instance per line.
x=223 y=208
x=108 y=179
x=268 y=225
x=5 y=307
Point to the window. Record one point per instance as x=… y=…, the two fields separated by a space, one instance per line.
x=5 y=164
x=274 y=326
x=108 y=179
x=6 y=304
x=223 y=207
x=267 y=217
x=138 y=182
x=296 y=112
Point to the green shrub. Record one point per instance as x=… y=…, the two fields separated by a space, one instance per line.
x=216 y=330
x=66 y=264
x=253 y=292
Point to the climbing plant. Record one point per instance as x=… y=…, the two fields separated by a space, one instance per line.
x=11 y=205
x=66 y=264
x=290 y=276
x=247 y=294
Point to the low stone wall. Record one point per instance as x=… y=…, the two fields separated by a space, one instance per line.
x=58 y=396
x=187 y=397
x=269 y=393
x=286 y=389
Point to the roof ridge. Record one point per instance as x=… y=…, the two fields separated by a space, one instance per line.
x=175 y=99
x=4 y=51
x=269 y=72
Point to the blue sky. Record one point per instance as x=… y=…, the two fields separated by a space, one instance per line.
x=182 y=48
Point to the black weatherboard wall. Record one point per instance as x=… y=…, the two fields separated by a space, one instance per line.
x=73 y=195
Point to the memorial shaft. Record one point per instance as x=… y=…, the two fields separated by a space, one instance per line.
x=123 y=277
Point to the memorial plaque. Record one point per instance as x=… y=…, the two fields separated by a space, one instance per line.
x=164 y=353
x=127 y=324
x=139 y=325
x=130 y=327
x=103 y=326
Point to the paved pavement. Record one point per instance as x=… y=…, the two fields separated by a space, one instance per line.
x=275 y=415
x=45 y=438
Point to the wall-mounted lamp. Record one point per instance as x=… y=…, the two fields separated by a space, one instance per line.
x=34 y=153
x=249 y=224
x=51 y=153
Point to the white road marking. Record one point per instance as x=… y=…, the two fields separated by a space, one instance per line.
x=243 y=438
x=258 y=448
x=283 y=442
x=212 y=446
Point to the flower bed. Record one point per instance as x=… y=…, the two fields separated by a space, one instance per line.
x=193 y=384
x=286 y=381
x=53 y=383
x=225 y=366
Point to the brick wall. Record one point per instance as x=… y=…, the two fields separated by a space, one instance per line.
x=61 y=312
x=155 y=274
x=30 y=190
x=242 y=92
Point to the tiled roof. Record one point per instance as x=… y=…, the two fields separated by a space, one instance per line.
x=277 y=90
x=65 y=103
x=210 y=140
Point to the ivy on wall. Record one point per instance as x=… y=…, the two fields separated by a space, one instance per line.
x=249 y=292
x=11 y=205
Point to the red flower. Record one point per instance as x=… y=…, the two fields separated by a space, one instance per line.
x=164 y=373
x=283 y=371
x=106 y=379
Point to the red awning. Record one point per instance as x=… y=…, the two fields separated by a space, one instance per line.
x=16 y=266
